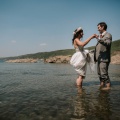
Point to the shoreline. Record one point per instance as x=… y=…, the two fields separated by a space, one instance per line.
x=115 y=59
x=27 y=60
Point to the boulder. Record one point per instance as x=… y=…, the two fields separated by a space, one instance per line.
x=58 y=59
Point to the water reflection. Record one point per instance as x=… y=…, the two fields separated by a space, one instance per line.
x=92 y=106
x=80 y=105
x=103 y=110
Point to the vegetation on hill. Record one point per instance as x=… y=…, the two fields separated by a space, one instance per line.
x=115 y=46
x=43 y=55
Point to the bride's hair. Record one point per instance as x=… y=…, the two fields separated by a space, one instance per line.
x=76 y=33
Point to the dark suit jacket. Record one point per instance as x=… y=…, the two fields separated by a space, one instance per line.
x=103 y=48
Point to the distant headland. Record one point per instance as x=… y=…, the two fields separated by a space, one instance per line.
x=61 y=56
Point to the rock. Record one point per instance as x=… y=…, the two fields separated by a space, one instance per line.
x=115 y=59
x=58 y=59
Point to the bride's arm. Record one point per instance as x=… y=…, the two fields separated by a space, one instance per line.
x=80 y=43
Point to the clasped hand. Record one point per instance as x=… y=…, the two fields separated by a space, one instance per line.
x=95 y=36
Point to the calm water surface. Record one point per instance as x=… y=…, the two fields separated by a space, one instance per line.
x=38 y=91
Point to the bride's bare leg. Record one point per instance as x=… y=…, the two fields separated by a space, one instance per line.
x=79 y=81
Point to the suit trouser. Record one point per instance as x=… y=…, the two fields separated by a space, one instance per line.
x=102 y=69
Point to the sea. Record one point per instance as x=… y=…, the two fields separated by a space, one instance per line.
x=44 y=91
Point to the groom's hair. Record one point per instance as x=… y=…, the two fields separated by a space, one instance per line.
x=103 y=24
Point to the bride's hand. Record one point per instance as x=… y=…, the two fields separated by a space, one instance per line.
x=94 y=36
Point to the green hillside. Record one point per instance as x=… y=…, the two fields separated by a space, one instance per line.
x=115 y=46
x=42 y=55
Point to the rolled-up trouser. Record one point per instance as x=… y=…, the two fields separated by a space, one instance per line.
x=102 y=69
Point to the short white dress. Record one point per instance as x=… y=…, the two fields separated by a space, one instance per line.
x=80 y=59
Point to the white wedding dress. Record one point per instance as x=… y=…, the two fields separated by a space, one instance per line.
x=80 y=59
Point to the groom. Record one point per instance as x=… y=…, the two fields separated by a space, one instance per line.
x=102 y=55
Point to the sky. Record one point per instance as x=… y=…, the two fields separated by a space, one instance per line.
x=32 y=26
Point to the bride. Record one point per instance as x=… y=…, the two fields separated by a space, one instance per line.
x=81 y=57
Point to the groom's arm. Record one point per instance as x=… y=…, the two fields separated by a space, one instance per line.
x=105 y=40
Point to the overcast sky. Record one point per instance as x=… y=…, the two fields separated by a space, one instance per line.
x=31 y=26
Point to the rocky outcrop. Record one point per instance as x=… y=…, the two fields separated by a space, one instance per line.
x=28 y=60
x=115 y=59
x=58 y=59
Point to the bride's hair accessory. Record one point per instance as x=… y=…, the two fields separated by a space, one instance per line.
x=77 y=30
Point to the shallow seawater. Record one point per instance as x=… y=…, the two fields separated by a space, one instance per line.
x=38 y=91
